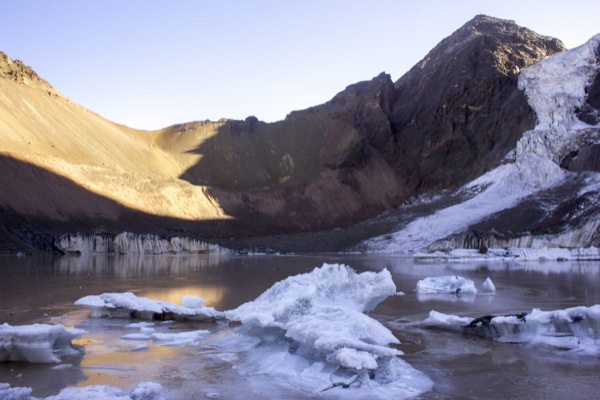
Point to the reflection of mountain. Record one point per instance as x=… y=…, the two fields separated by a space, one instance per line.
x=132 y=266
x=373 y=147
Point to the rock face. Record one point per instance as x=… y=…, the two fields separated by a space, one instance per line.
x=375 y=145
x=458 y=112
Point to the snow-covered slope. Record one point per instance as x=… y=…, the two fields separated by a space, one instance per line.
x=556 y=90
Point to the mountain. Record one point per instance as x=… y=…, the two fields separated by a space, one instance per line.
x=375 y=147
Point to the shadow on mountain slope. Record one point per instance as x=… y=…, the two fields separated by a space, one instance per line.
x=33 y=199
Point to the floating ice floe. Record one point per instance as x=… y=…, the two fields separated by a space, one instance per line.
x=128 y=305
x=143 y=391
x=310 y=332
x=555 y=89
x=513 y=254
x=37 y=343
x=575 y=329
x=488 y=286
x=451 y=284
x=167 y=339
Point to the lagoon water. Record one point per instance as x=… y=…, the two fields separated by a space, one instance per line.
x=44 y=288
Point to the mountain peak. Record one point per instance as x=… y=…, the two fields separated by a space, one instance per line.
x=19 y=72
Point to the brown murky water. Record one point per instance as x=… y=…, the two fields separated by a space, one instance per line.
x=43 y=289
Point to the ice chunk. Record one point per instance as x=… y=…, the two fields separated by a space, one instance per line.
x=488 y=286
x=576 y=329
x=147 y=391
x=17 y=393
x=142 y=324
x=37 y=343
x=169 y=339
x=192 y=301
x=446 y=285
x=140 y=347
x=315 y=378
x=332 y=284
x=180 y=338
x=143 y=391
x=137 y=336
x=543 y=253
x=446 y=321
x=128 y=305
x=315 y=336
x=353 y=358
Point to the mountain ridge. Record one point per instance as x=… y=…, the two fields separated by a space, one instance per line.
x=371 y=148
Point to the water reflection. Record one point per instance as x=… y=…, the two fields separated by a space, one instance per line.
x=44 y=378
x=450 y=298
x=128 y=266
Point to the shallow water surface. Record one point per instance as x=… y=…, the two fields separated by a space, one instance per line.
x=44 y=288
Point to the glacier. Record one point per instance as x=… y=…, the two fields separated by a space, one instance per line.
x=38 y=343
x=555 y=88
x=575 y=329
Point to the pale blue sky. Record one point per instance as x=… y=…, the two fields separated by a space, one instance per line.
x=149 y=64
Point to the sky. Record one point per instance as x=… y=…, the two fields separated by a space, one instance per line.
x=149 y=64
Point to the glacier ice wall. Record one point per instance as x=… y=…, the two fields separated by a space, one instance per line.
x=556 y=88
x=133 y=243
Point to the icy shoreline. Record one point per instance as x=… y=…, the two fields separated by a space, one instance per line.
x=512 y=254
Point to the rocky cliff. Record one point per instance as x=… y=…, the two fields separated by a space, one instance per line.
x=377 y=144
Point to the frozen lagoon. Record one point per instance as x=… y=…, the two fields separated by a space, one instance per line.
x=40 y=289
